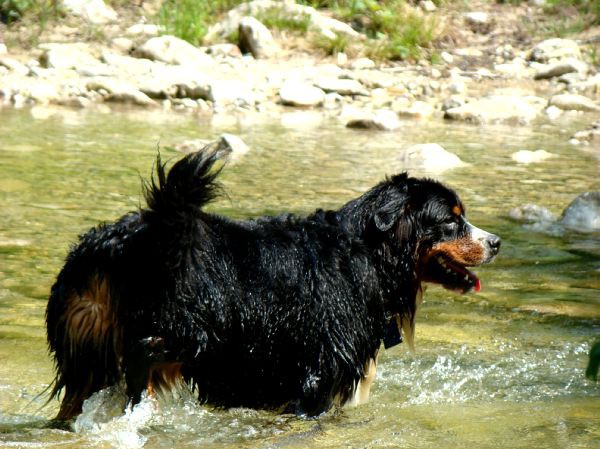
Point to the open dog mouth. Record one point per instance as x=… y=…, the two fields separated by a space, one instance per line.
x=440 y=269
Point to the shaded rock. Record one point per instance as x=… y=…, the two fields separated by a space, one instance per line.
x=94 y=11
x=528 y=157
x=256 y=38
x=172 y=50
x=430 y=157
x=573 y=102
x=417 y=109
x=341 y=86
x=383 y=120
x=559 y=68
x=498 y=109
x=531 y=213
x=553 y=49
x=298 y=93
x=583 y=214
x=66 y=56
x=120 y=91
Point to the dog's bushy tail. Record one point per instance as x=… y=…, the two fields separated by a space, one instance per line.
x=189 y=185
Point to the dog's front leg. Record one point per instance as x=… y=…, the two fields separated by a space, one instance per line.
x=138 y=363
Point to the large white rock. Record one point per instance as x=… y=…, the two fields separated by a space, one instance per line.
x=94 y=11
x=256 y=38
x=172 y=50
x=430 y=157
x=573 y=102
x=299 y=93
x=499 y=109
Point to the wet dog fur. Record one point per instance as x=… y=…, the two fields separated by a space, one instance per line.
x=284 y=313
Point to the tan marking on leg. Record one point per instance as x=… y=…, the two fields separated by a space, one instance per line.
x=363 y=387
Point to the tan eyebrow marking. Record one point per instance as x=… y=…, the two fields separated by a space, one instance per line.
x=457 y=210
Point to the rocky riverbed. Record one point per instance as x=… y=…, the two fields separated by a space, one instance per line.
x=488 y=82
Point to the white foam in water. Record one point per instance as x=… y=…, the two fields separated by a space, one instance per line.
x=102 y=419
x=465 y=374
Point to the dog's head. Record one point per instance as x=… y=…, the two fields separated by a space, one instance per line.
x=427 y=220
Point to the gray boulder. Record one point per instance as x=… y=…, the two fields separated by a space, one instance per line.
x=583 y=214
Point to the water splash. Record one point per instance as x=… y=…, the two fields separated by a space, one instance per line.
x=102 y=419
x=507 y=373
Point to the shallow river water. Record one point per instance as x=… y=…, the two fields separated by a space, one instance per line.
x=503 y=368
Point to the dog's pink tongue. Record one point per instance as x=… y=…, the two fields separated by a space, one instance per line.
x=478 y=285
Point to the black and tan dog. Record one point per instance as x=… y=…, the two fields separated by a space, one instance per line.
x=283 y=312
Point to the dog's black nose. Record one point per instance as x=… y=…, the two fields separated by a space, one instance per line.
x=494 y=242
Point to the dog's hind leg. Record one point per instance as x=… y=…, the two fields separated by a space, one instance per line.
x=138 y=363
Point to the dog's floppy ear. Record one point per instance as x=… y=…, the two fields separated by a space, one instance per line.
x=388 y=214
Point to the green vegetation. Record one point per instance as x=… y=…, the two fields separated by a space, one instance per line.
x=14 y=10
x=275 y=18
x=587 y=10
x=394 y=29
x=190 y=19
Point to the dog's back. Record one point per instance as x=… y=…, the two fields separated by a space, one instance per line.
x=257 y=313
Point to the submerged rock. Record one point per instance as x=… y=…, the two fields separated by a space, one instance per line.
x=532 y=213
x=590 y=135
x=383 y=120
x=528 y=157
x=583 y=214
